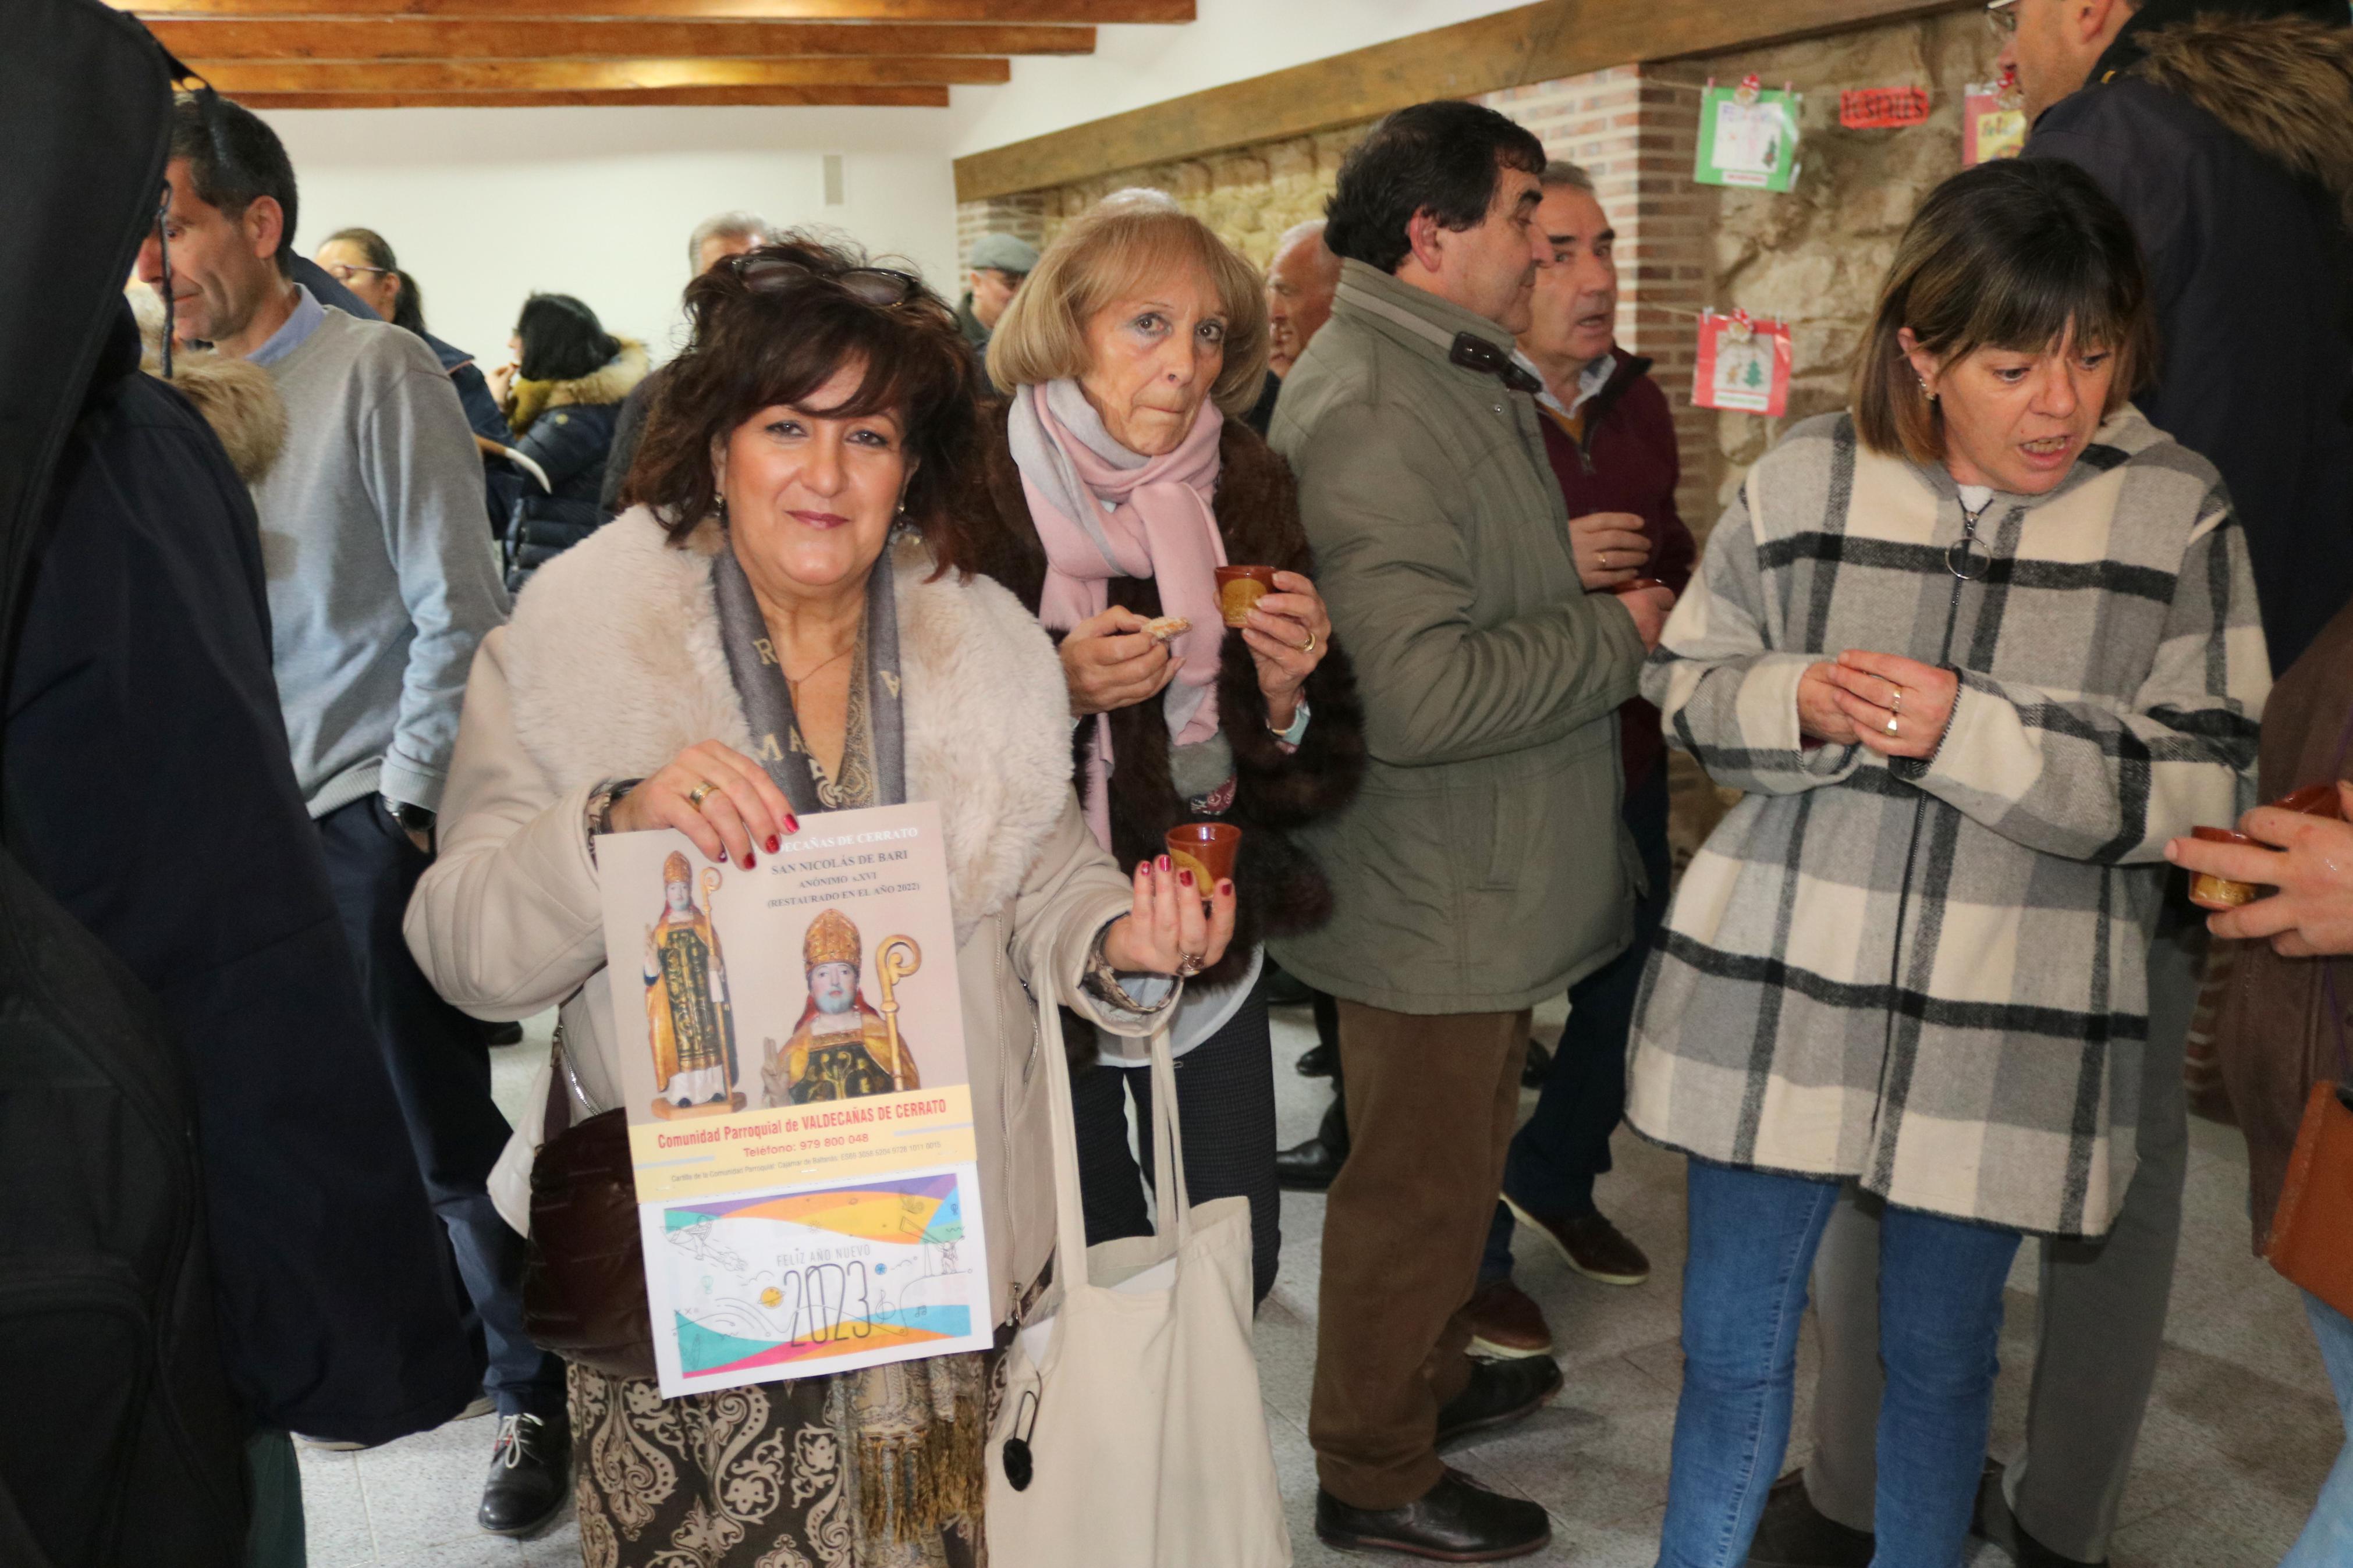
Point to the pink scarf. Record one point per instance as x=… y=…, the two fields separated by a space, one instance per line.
x=1160 y=526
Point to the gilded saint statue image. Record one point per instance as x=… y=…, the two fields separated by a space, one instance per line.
x=693 y=1026
x=844 y=1048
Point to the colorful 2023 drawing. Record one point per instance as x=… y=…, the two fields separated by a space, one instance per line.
x=809 y=1203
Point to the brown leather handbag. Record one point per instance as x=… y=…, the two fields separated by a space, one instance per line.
x=583 y=1283
x=2311 y=1229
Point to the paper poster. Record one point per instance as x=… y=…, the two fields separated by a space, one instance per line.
x=1743 y=365
x=800 y=1113
x=1748 y=137
x=1993 y=123
x=1882 y=107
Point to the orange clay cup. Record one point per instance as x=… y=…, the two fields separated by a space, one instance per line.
x=1636 y=584
x=1238 y=588
x=2212 y=892
x=2208 y=891
x=1207 y=849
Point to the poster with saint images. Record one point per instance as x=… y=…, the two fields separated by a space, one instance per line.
x=1747 y=137
x=1743 y=365
x=1993 y=123
x=791 y=1062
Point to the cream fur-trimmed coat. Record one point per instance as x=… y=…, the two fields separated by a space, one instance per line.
x=611 y=667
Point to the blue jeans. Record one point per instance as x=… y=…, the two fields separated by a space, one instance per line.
x=1940 y=1280
x=2327 y=1538
x=1564 y=1143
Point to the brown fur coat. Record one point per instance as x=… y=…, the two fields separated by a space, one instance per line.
x=2283 y=85
x=1281 y=889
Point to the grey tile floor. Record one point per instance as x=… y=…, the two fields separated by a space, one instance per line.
x=2239 y=1434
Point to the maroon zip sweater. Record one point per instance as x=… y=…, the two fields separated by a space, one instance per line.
x=1627 y=462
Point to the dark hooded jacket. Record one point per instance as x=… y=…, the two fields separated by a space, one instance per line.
x=147 y=787
x=2224 y=129
x=1282 y=891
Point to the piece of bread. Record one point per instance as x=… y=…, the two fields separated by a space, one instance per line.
x=1168 y=626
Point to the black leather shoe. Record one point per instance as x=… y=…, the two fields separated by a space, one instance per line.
x=1998 y=1524
x=1317 y=1062
x=1499 y=1392
x=531 y=1472
x=1457 y=1521
x=1794 y=1534
x=1537 y=1068
x=1306 y=1167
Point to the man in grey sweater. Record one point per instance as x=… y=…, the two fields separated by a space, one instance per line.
x=381 y=585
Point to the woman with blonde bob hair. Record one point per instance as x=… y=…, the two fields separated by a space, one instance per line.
x=1112 y=484
x=1974 y=649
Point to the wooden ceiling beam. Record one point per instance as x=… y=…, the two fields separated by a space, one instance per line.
x=871 y=97
x=1086 y=12
x=242 y=78
x=1506 y=48
x=572 y=39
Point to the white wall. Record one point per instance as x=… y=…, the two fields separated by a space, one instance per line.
x=485 y=206
x=1228 y=40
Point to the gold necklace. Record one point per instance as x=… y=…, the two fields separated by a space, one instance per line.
x=794 y=686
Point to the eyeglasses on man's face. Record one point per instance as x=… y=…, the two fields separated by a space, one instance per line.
x=2001 y=15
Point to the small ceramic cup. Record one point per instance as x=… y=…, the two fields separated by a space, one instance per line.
x=2208 y=891
x=1207 y=849
x=1238 y=588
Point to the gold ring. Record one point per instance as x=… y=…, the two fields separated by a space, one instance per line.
x=1309 y=646
x=701 y=792
x=1189 y=964
x=1895 y=703
x=1891 y=723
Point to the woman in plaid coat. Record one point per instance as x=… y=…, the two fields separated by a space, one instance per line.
x=1974 y=650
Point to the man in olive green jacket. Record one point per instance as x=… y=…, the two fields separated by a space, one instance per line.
x=1482 y=867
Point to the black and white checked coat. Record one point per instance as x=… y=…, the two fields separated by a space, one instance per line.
x=1930 y=976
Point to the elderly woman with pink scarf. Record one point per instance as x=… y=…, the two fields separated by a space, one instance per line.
x=1110 y=487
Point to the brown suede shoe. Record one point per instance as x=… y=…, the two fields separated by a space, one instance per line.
x=1593 y=1246
x=1505 y=1325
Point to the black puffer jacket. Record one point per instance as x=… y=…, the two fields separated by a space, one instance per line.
x=2225 y=131
x=567 y=428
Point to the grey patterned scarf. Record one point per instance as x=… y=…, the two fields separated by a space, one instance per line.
x=911 y=1432
x=760 y=684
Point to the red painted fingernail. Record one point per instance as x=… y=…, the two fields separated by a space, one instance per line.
x=792 y=824
x=1225 y=889
x=748 y=861
x=1163 y=862
x=1185 y=878
x=773 y=842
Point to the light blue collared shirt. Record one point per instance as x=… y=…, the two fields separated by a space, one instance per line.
x=1590 y=381
x=296 y=329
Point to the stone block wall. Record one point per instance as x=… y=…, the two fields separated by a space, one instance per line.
x=1812 y=255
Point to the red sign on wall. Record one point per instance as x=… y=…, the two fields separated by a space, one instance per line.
x=1882 y=107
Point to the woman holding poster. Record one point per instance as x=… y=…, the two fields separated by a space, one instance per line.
x=782 y=630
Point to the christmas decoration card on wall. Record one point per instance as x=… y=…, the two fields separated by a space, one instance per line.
x=1747 y=137
x=1993 y=125
x=1743 y=365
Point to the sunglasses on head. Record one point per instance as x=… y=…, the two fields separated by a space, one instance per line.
x=881 y=286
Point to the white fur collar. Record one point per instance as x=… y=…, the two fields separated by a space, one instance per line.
x=615 y=666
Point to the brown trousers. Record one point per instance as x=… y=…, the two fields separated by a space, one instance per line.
x=1432 y=1104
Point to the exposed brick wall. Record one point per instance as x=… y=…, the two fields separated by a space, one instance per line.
x=1022 y=215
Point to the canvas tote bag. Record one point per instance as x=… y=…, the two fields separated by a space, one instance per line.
x=1131 y=1417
